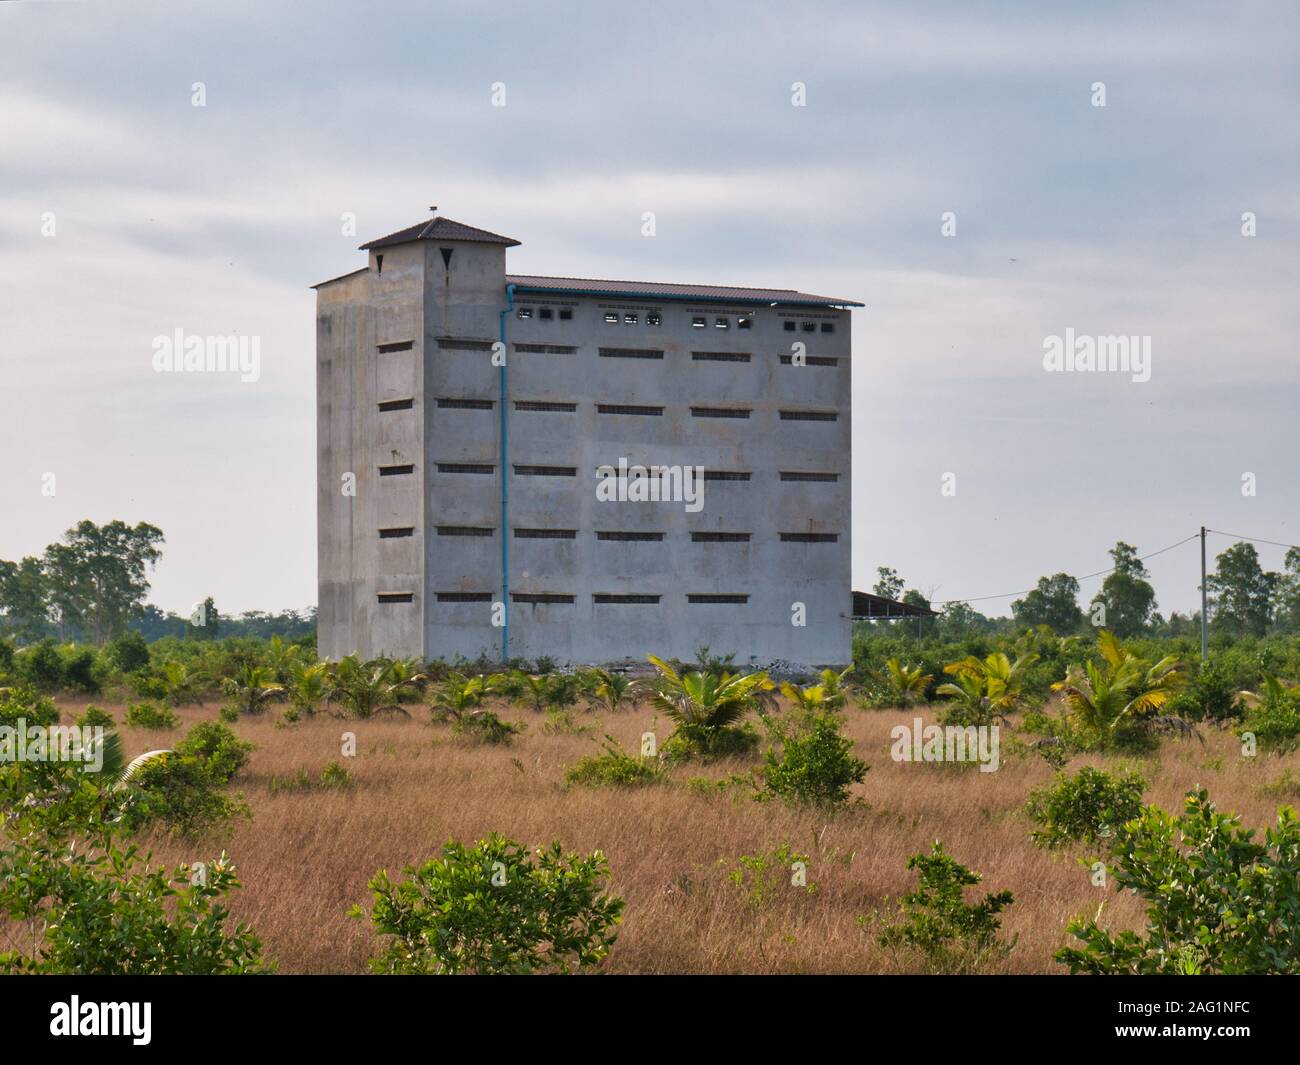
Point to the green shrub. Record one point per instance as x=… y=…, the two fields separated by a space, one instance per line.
x=1211 y=696
x=79 y=669
x=936 y=922
x=483 y=726
x=688 y=744
x=40 y=666
x=760 y=878
x=127 y=653
x=615 y=768
x=107 y=913
x=495 y=908
x=332 y=776
x=151 y=716
x=180 y=794
x=1218 y=902
x=228 y=714
x=215 y=745
x=561 y=722
x=146 y=684
x=1084 y=808
x=1274 y=721
x=816 y=765
x=93 y=717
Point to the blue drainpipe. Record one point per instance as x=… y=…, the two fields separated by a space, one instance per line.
x=505 y=476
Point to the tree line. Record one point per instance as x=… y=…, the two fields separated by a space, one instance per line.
x=1244 y=600
x=91 y=585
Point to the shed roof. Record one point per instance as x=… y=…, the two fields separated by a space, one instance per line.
x=661 y=290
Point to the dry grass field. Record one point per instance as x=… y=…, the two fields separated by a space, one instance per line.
x=305 y=857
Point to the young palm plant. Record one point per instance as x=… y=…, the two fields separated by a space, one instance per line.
x=706 y=707
x=182 y=684
x=1104 y=698
x=611 y=689
x=905 y=684
x=308 y=686
x=253 y=688
x=364 y=689
x=986 y=689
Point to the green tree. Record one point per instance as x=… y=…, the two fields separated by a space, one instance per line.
x=890 y=585
x=706 y=708
x=1287 y=604
x=1127 y=596
x=1241 y=593
x=1054 y=603
x=96 y=576
x=24 y=607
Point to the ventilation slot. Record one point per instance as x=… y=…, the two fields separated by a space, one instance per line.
x=630 y=353
x=465 y=530
x=720 y=537
x=396 y=597
x=719 y=412
x=397 y=534
x=464 y=597
x=395 y=471
x=464 y=344
x=812 y=360
x=396 y=404
x=546 y=349
x=717 y=598
x=545 y=406
x=800 y=475
x=466 y=404
x=810 y=538
x=402 y=345
x=726 y=475
x=625 y=408
x=546 y=471
x=809 y=416
x=720 y=356
x=465 y=467
x=541 y=597
x=638 y=537
x=546 y=534
x=600 y=597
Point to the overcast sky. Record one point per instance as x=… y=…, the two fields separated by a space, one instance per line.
x=1122 y=219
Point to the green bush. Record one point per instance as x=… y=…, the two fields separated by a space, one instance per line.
x=1274 y=721
x=127 y=653
x=935 y=921
x=1211 y=696
x=495 y=908
x=215 y=745
x=93 y=717
x=40 y=666
x=180 y=794
x=615 y=768
x=816 y=765
x=1218 y=902
x=79 y=669
x=151 y=716
x=484 y=726
x=1084 y=808
x=689 y=744
x=106 y=915
x=761 y=878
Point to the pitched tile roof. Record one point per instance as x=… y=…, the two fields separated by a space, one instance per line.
x=439 y=228
x=656 y=290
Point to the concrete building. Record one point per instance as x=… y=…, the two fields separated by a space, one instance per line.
x=468 y=421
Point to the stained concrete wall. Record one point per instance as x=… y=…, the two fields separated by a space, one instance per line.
x=454 y=314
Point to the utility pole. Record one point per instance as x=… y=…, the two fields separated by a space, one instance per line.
x=1203 y=619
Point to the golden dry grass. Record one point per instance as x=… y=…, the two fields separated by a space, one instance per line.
x=306 y=856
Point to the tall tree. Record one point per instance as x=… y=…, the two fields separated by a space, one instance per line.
x=1286 y=609
x=24 y=610
x=96 y=575
x=1127 y=596
x=1054 y=603
x=1241 y=592
x=890 y=585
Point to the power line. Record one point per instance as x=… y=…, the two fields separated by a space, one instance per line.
x=1085 y=577
x=1253 y=539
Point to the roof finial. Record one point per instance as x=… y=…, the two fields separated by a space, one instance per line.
x=433 y=208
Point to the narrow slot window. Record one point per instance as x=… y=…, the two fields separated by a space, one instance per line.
x=541 y=597
x=546 y=471
x=400 y=345
x=629 y=537
x=720 y=412
x=711 y=597
x=812 y=360
x=397 y=533
x=465 y=530
x=628 y=598
x=809 y=538
x=396 y=597
x=809 y=416
x=545 y=406
x=720 y=356
x=546 y=534
x=465 y=467
x=805 y=475
x=396 y=404
x=464 y=597
x=631 y=353
x=720 y=537
x=448 y=403
x=628 y=408
x=396 y=471
x=725 y=475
